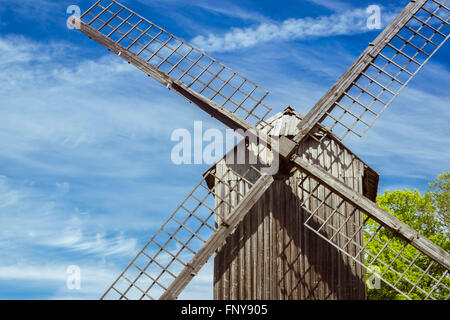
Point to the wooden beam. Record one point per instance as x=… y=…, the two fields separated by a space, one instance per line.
x=318 y=112
x=218 y=238
x=376 y=213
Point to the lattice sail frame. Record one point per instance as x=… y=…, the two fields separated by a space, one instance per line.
x=384 y=254
x=390 y=71
x=184 y=233
x=179 y=60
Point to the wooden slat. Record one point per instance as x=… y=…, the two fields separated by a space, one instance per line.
x=274 y=241
x=248 y=257
x=266 y=245
x=260 y=250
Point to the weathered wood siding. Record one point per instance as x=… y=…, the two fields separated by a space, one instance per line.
x=272 y=255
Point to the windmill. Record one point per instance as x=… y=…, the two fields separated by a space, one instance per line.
x=216 y=217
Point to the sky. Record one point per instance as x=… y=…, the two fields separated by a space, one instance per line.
x=86 y=175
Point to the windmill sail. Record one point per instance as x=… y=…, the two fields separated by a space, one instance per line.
x=376 y=78
x=175 y=63
x=387 y=248
x=384 y=252
x=190 y=236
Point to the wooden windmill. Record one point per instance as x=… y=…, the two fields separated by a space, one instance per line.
x=310 y=230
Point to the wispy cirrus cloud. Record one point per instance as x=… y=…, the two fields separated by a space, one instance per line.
x=336 y=5
x=34 y=221
x=346 y=23
x=51 y=278
x=27 y=8
x=64 y=118
x=228 y=8
x=76 y=115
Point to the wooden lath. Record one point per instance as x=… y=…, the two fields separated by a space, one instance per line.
x=190 y=70
x=376 y=78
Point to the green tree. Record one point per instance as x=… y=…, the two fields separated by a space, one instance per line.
x=428 y=213
x=440 y=191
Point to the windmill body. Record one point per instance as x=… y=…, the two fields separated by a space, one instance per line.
x=272 y=254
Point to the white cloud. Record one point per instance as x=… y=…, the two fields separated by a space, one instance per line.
x=52 y=279
x=31 y=220
x=227 y=8
x=7 y=197
x=412 y=128
x=27 y=9
x=16 y=49
x=335 y=5
x=42 y=236
x=347 y=23
x=68 y=107
x=96 y=244
x=62 y=188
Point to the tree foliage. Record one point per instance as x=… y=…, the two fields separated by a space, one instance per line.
x=428 y=213
x=440 y=191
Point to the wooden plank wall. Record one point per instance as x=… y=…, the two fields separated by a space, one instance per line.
x=272 y=255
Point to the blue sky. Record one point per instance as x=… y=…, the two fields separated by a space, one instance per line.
x=85 y=170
